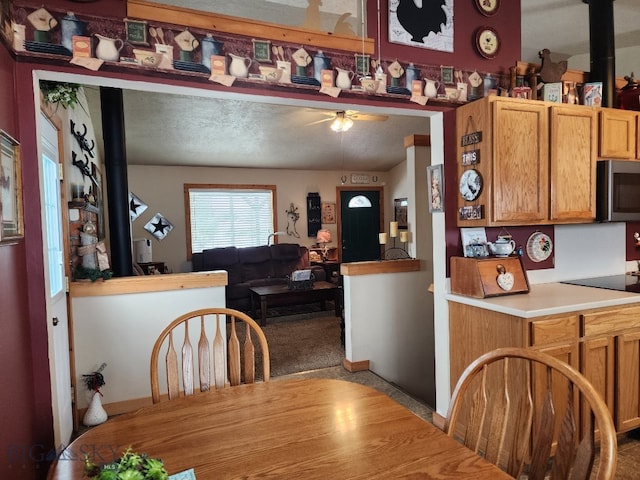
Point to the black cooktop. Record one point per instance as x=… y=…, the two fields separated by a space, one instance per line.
x=623 y=283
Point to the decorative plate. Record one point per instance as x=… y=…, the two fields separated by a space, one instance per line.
x=487 y=42
x=470 y=184
x=487 y=7
x=539 y=247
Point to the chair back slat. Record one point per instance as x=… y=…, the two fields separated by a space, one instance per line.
x=567 y=441
x=219 y=343
x=187 y=362
x=203 y=358
x=234 y=355
x=171 y=362
x=219 y=364
x=544 y=433
x=249 y=358
x=518 y=407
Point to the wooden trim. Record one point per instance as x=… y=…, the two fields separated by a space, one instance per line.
x=417 y=141
x=353 y=367
x=381 y=266
x=149 y=283
x=213 y=186
x=438 y=420
x=245 y=27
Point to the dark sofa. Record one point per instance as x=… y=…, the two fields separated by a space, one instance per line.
x=254 y=266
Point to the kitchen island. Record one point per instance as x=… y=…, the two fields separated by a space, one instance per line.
x=597 y=331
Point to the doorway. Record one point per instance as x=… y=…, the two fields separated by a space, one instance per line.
x=360 y=219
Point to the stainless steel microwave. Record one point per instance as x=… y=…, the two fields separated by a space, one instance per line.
x=618 y=191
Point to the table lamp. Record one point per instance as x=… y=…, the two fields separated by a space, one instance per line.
x=323 y=237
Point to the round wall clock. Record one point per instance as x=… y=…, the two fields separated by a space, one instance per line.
x=470 y=185
x=488 y=7
x=487 y=42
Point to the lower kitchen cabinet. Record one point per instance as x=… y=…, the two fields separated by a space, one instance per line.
x=603 y=344
x=627 y=376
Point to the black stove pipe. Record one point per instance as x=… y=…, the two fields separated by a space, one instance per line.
x=602 y=48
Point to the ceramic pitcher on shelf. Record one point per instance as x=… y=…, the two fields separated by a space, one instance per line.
x=344 y=78
x=108 y=49
x=239 y=66
x=431 y=88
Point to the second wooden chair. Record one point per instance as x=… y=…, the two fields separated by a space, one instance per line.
x=226 y=353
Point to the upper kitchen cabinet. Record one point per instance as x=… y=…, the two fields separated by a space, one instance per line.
x=619 y=136
x=524 y=162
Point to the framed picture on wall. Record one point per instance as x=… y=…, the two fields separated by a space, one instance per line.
x=11 y=217
x=328 y=212
x=429 y=26
x=435 y=187
x=400 y=206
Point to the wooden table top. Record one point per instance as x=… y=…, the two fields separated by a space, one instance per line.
x=302 y=428
x=284 y=288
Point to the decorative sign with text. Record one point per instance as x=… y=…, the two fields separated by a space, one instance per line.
x=471 y=158
x=471 y=139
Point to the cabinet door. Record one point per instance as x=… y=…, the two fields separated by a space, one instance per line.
x=573 y=152
x=618 y=134
x=520 y=163
x=597 y=365
x=627 y=415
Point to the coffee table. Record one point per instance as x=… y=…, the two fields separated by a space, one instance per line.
x=275 y=295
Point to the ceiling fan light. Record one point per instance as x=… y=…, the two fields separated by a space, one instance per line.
x=341 y=124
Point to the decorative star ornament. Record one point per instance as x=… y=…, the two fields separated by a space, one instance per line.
x=159 y=226
x=136 y=206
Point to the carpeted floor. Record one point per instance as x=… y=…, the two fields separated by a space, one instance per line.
x=302 y=342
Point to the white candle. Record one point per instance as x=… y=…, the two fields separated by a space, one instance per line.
x=382 y=237
x=393 y=229
x=404 y=236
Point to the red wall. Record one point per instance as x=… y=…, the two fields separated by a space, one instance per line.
x=25 y=401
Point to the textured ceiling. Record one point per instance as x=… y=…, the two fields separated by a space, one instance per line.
x=170 y=129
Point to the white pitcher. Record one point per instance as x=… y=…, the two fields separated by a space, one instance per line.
x=108 y=49
x=431 y=88
x=239 y=66
x=343 y=79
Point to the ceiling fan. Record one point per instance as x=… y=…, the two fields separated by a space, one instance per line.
x=342 y=120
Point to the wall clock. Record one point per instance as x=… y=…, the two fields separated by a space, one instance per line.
x=487 y=42
x=488 y=7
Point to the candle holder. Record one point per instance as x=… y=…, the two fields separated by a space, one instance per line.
x=396 y=253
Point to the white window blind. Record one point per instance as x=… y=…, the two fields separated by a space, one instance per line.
x=225 y=217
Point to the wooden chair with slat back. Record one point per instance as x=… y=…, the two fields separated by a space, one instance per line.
x=225 y=359
x=533 y=416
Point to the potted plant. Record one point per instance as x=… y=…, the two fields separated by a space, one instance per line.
x=130 y=466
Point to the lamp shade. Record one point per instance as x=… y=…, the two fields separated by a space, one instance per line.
x=323 y=236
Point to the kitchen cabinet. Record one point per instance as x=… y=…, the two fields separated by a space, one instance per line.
x=534 y=162
x=618 y=134
x=603 y=344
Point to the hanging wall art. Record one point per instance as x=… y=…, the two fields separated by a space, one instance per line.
x=159 y=226
x=11 y=219
x=136 y=206
x=429 y=26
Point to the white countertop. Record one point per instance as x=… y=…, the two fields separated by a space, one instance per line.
x=550 y=299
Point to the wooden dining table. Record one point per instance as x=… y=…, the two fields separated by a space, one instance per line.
x=300 y=428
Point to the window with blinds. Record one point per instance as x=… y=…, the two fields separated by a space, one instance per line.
x=229 y=215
